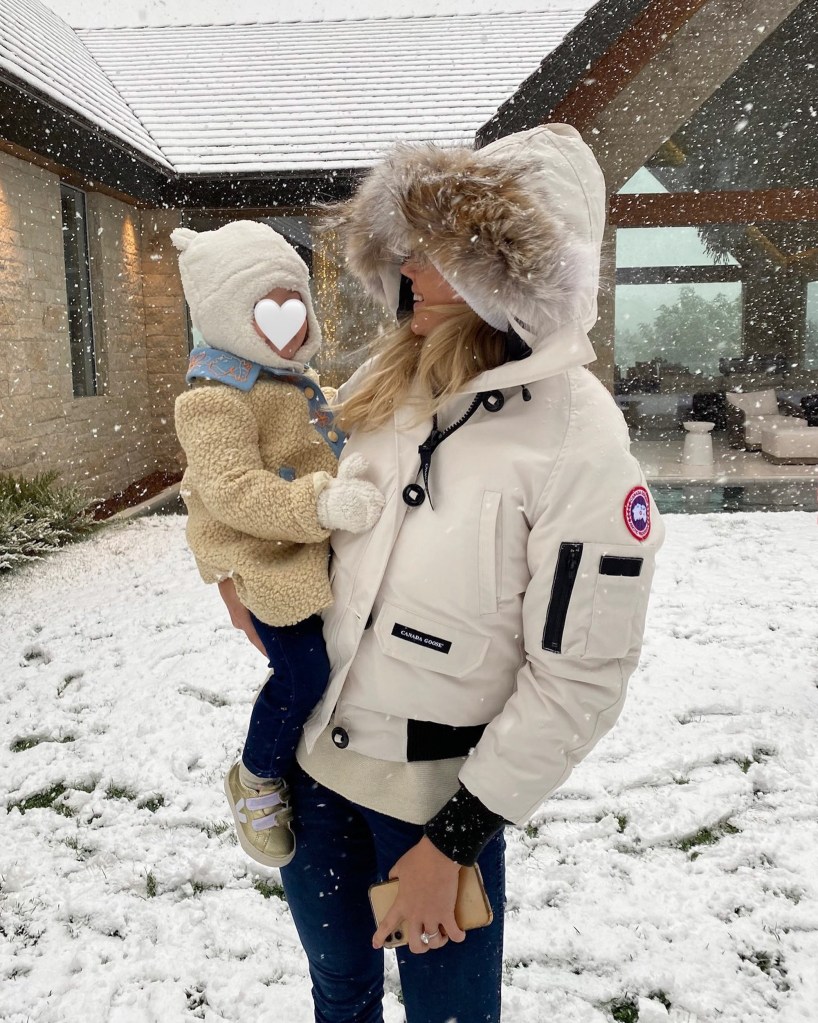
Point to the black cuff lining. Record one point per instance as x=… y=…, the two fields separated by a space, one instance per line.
x=463 y=827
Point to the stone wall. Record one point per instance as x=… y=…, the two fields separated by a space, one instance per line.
x=166 y=332
x=110 y=440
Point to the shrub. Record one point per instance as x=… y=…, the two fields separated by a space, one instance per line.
x=37 y=517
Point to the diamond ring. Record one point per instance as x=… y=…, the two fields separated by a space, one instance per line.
x=426 y=937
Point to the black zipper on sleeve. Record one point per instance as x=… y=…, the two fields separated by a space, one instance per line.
x=565 y=575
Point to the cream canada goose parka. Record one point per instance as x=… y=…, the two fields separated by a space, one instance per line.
x=510 y=603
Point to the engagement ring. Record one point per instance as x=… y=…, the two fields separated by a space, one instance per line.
x=426 y=937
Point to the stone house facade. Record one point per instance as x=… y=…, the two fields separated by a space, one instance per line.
x=106 y=440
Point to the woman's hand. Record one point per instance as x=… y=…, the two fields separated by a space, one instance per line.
x=239 y=615
x=426 y=898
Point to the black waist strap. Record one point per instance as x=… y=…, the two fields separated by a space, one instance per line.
x=427 y=740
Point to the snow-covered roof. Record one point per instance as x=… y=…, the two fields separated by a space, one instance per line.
x=281 y=96
x=307 y=95
x=38 y=48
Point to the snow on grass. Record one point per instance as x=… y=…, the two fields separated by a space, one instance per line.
x=672 y=878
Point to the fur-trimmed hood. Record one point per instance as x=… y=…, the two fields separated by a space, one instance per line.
x=516 y=228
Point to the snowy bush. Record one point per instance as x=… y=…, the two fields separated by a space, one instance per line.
x=37 y=517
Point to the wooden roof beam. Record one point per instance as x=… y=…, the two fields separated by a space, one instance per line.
x=689 y=209
x=638 y=98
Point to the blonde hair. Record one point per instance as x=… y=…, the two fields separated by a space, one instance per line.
x=455 y=351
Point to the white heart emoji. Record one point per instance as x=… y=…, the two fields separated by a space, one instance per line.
x=280 y=323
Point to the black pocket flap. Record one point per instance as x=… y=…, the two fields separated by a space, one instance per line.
x=609 y=565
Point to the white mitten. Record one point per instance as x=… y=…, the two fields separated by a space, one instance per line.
x=349 y=502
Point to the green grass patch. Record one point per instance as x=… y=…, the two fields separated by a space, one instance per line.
x=72 y=676
x=19 y=745
x=152 y=803
x=83 y=852
x=119 y=792
x=531 y=830
x=216 y=829
x=623 y=1010
x=269 y=889
x=85 y=786
x=200 y=886
x=214 y=699
x=760 y=755
x=771 y=965
x=706 y=836
x=150 y=886
x=43 y=801
x=30 y=741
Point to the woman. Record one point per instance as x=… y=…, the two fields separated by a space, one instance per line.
x=483 y=632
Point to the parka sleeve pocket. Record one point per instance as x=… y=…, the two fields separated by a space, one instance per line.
x=599 y=600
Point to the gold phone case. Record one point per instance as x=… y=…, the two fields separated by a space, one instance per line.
x=471 y=909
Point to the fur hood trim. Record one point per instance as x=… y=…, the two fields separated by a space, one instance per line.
x=515 y=228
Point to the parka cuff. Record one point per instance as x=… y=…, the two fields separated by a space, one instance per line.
x=462 y=827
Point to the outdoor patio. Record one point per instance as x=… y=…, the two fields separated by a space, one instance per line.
x=737 y=481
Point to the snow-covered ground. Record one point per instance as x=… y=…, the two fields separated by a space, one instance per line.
x=679 y=864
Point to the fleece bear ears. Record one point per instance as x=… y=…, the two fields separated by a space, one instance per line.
x=182 y=237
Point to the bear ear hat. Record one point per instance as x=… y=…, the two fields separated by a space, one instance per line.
x=182 y=237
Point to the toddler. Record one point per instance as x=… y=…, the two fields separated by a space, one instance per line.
x=261 y=490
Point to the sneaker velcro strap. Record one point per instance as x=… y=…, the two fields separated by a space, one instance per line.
x=264 y=802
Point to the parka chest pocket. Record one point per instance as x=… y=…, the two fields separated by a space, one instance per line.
x=426 y=643
x=489 y=552
x=598 y=599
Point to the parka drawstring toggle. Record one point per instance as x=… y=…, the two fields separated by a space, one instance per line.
x=413 y=494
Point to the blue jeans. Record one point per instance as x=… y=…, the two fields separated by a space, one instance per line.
x=343 y=848
x=300 y=666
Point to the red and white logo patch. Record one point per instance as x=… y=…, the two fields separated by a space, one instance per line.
x=637 y=513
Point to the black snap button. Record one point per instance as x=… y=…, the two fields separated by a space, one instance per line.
x=340 y=736
x=494 y=401
x=413 y=495
x=368 y=622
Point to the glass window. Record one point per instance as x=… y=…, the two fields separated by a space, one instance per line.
x=678 y=332
x=678 y=309
x=667 y=246
x=78 y=291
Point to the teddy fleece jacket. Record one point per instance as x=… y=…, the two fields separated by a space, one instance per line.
x=255 y=466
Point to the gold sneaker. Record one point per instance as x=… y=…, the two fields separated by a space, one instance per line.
x=262 y=817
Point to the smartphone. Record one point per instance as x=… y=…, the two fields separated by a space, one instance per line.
x=471 y=910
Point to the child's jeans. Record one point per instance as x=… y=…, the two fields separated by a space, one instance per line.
x=300 y=667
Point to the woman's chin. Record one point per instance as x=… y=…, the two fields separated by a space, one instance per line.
x=420 y=324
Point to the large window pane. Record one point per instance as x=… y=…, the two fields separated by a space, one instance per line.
x=665 y=246
x=78 y=292
x=688 y=330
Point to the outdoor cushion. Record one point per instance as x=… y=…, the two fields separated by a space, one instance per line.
x=790 y=445
x=754 y=426
x=754 y=403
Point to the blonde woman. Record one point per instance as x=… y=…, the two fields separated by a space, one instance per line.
x=483 y=632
